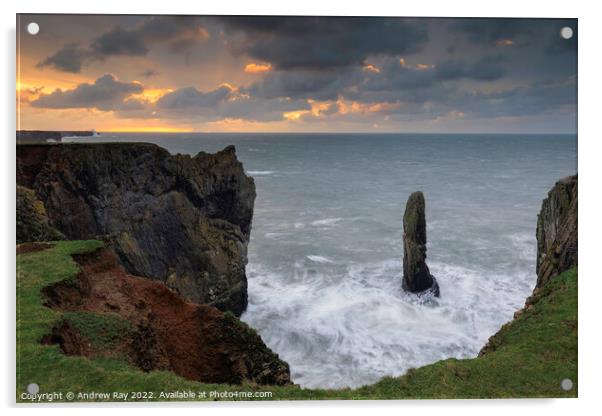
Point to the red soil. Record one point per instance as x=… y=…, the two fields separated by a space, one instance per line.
x=197 y=342
x=32 y=247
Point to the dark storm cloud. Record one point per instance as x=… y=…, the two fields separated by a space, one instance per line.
x=484 y=69
x=178 y=32
x=119 y=41
x=319 y=85
x=542 y=34
x=190 y=97
x=258 y=109
x=225 y=102
x=70 y=58
x=394 y=80
x=323 y=42
x=106 y=94
x=536 y=98
x=493 y=30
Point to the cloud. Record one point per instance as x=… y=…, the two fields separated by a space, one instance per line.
x=322 y=42
x=105 y=94
x=179 y=33
x=394 y=79
x=119 y=41
x=70 y=58
x=255 y=68
x=494 y=30
x=484 y=69
x=224 y=102
x=149 y=73
x=301 y=83
x=190 y=97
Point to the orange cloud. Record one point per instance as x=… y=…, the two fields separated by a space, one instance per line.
x=362 y=108
x=255 y=68
x=295 y=115
x=148 y=129
x=371 y=68
x=151 y=95
x=505 y=42
x=422 y=67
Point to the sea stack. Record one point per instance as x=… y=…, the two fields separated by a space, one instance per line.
x=416 y=275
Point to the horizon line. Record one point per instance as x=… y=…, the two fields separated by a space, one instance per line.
x=302 y=132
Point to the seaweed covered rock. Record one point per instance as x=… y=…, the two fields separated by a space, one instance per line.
x=557 y=233
x=416 y=275
x=180 y=219
x=32 y=220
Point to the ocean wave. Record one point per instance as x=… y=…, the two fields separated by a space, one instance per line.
x=319 y=259
x=261 y=172
x=326 y=222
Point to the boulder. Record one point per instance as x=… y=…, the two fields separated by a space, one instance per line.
x=416 y=275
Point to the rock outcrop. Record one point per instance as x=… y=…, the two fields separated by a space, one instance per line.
x=32 y=220
x=416 y=275
x=557 y=238
x=557 y=231
x=154 y=328
x=180 y=219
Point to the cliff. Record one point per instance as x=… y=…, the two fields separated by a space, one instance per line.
x=183 y=220
x=557 y=231
x=32 y=220
x=109 y=313
x=557 y=241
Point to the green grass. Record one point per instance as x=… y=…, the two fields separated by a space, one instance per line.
x=532 y=354
x=104 y=331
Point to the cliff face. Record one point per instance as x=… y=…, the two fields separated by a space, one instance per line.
x=557 y=238
x=184 y=220
x=557 y=231
x=32 y=220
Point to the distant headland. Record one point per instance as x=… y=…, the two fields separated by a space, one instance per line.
x=45 y=136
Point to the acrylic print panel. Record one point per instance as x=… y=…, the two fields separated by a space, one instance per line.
x=241 y=208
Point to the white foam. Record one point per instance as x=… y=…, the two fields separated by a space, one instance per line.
x=261 y=172
x=319 y=259
x=326 y=222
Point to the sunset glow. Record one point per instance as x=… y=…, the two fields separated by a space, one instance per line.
x=188 y=73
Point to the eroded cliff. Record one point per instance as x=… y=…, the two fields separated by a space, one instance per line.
x=107 y=312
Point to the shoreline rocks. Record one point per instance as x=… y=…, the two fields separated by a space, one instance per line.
x=416 y=275
x=180 y=219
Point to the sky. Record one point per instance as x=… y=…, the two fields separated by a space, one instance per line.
x=296 y=74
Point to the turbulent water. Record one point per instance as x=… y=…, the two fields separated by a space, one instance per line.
x=326 y=246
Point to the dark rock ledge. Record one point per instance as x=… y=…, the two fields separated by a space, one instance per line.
x=180 y=219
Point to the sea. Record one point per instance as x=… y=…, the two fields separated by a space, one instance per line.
x=325 y=256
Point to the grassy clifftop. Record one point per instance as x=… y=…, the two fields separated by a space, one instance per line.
x=528 y=357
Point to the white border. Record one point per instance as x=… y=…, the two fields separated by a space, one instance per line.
x=589 y=162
